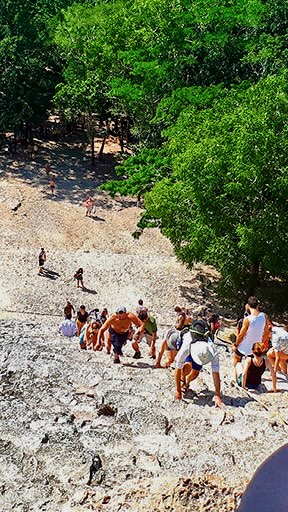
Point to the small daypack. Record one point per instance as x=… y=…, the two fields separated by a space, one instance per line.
x=199 y=331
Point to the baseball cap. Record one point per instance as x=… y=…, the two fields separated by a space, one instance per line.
x=121 y=309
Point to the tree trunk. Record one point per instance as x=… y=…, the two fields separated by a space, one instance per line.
x=121 y=137
x=253 y=278
x=128 y=132
x=100 y=154
x=92 y=149
x=15 y=142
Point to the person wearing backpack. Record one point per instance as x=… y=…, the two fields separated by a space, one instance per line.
x=150 y=334
x=197 y=350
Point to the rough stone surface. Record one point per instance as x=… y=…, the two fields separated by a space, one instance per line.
x=76 y=432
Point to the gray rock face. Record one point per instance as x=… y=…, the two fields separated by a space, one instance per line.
x=76 y=430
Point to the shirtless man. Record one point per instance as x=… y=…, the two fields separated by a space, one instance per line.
x=118 y=326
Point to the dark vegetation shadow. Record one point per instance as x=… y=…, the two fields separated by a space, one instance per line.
x=75 y=178
x=228 y=300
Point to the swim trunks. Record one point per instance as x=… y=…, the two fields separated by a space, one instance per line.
x=118 y=340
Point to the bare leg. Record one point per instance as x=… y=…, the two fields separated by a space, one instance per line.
x=271 y=356
x=170 y=356
x=236 y=359
x=107 y=341
x=153 y=349
x=164 y=347
x=191 y=376
x=135 y=346
x=283 y=363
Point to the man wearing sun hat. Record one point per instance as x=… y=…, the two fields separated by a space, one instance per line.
x=197 y=350
x=118 y=326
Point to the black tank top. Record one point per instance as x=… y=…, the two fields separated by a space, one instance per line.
x=255 y=373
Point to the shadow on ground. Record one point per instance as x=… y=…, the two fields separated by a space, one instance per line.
x=74 y=176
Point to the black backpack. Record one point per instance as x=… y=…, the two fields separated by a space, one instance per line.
x=199 y=331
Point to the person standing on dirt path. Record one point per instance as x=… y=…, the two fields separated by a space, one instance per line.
x=118 y=326
x=89 y=203
x=47 y=169
x=69 y=309
x=42 y=259
x=52 y=186
x=79 y=278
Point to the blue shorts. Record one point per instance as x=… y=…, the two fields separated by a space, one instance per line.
x=194 y=365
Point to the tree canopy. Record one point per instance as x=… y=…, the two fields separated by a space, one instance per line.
x=203 y=87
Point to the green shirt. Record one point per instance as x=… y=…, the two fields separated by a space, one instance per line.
x=150 y=325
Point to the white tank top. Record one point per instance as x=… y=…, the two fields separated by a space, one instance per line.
x=254 y=333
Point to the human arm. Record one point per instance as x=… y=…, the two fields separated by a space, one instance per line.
x=247 y=363
x=242 y=333
x=87 y=336
x=164 y=347
x=273 y=374
x=102 y=329
x=138 y=323
x=277 y=361
x=180 y=322
x=267 y=333
x=217 y=387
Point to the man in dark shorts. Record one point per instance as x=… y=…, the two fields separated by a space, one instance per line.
x=42 y=259
x=118 y=326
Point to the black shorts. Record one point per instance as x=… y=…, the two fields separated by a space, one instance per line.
x=239 y=353
x=118 y=340
x=41 y=262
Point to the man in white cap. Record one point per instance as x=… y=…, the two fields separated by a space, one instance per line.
x=118 y=326
x=196 y=351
